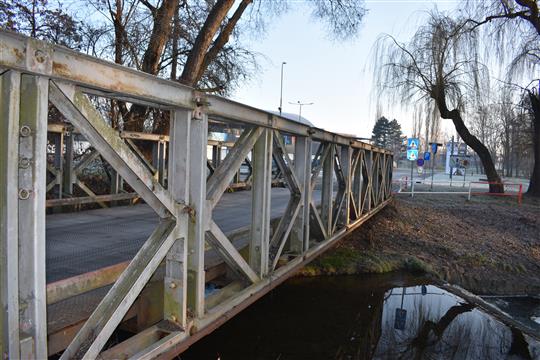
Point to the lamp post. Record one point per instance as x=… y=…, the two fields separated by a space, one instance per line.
x=281 y=91
x=300 y=104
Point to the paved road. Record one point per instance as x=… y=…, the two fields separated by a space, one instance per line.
x=89 y=240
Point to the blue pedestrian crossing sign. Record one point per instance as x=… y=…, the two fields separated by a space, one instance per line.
x=412 y=144
x=412 y=149
x=412 y=155
x=427 y=155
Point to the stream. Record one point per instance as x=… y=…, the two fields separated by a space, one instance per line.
x=392 y=316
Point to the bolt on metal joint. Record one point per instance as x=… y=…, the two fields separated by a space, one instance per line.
x=24 y=194
x=25 y=131
x=24 y=162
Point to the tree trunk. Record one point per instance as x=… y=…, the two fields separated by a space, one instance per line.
x=161 y=31
x=481 y=150
x=159 y=37
x=222 y=38
x=534 y=184
x=117 y=15
x=175 y=36
x=204 y=40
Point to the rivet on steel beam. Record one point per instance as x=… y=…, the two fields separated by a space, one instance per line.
x=24 y=194
x=172 y=285
x=24 y=163
x=173 y=318
x=25 y=131
x=40 y=56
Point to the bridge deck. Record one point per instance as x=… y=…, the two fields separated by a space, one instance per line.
x=89 y=240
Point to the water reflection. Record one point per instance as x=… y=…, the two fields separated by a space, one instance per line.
x=377 y=317
x=435 y=324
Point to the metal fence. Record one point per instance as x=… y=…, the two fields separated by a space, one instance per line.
x=405 y=186
x=34 y=74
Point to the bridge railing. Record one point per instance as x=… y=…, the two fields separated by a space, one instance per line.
x=355 y=180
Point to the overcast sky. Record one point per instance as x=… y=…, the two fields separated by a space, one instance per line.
x=334 y=75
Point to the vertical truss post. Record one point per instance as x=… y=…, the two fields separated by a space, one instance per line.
x=32 y=187
x=200 y=214
x=58 y=159
x=260 y=211
x=155 y=154
x=389 y=175
x=162 y=157
x=376 y=179
x=327 y=194
x=67 y=173
x=9 y=167
x=369 y=168
x=382 y=169
x=346 y=168
x=216 y=155
x=115 y=185
x=158 y=160
x=175 y=282
x=302 y=169
x=357 y=183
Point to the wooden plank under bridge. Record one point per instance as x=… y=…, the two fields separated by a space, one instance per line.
x=183 y=233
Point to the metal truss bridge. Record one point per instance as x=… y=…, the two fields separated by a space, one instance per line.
x=168 y=227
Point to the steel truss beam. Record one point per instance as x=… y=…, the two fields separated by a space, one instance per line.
x=260 y=208
x=106 y=317
x=77 y=107
x=224 y=173
x=286 y=223
x=139 y=87
x=23 y=107
x=38 y=72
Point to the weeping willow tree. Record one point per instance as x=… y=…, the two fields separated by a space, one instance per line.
x=440 y=64
x=511 y=29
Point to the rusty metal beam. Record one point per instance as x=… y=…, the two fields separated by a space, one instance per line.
x=135 y=86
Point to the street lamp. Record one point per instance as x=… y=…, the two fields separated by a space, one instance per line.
x=281 y=92
x=299 y=104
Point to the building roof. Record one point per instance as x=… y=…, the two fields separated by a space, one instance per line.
x=294 y=117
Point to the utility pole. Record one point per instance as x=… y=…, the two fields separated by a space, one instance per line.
x=300 y=104
x=281 y=91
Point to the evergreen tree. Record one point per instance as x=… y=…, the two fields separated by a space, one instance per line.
x=387 y=134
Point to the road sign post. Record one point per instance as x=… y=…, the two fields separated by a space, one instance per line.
x=434 y=147
x=434 y=150
x=412 y=155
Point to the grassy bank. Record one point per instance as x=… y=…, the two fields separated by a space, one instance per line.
x=488 y=245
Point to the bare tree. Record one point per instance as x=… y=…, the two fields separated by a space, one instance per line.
x=513 y=26
x=439 y=62
x=38 y=19
x=534 y=98
x=193 y=39
x=194 y=42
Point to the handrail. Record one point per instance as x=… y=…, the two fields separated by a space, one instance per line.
x=104 y=78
